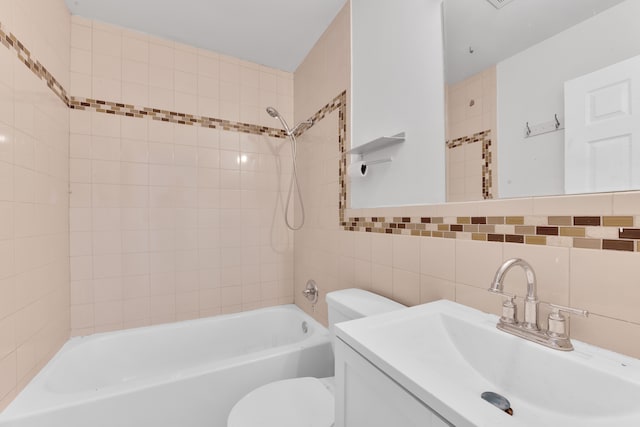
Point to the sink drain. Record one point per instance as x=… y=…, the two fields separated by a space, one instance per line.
x=498 y=401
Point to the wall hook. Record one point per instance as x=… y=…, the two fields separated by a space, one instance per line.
x=542 y=128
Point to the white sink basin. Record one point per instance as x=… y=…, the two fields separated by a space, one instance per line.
x=447 y=354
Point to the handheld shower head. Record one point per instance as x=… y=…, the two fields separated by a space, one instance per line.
x=294 y=176
x=273 y=112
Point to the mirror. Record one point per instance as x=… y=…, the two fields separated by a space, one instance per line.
x=512 y=124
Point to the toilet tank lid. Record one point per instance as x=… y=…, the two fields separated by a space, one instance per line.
x=358 y=303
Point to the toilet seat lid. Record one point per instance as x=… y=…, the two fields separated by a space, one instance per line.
x=298 y=402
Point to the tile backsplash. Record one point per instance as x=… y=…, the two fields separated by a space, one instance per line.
x=587 y=232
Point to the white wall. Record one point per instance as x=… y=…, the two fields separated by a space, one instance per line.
x=397 y=85
x=530 y=89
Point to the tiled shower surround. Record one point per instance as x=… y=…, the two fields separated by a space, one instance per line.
x=173 y=215
x=177 y=179
x=177 y=176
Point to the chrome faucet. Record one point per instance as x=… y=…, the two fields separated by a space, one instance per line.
x=555 y=336
x=531 y=300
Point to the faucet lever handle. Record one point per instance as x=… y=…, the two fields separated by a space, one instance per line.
x=509 y=308
x=557 y=328
x=555 y=308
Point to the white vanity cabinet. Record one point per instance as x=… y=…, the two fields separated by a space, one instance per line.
x=366 y=397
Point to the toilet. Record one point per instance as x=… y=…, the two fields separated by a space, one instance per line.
x=307 y=401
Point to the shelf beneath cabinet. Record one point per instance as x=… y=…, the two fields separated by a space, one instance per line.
x=378 y=144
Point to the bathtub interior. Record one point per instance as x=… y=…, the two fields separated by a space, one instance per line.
x=116 y=378
x=174 y=350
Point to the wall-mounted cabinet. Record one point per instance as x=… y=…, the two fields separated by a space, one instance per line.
x=397 y=85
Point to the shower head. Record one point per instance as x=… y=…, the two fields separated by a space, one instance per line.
x=273 y=112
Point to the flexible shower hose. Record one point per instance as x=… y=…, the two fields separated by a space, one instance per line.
x=294 y=183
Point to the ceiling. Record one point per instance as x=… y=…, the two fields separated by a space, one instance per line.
x=275 y=33
x=280 y=33
x=497 y=34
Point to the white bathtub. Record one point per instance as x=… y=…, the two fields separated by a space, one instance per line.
x=186 y=374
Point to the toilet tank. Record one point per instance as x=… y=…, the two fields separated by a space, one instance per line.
x=350 y=304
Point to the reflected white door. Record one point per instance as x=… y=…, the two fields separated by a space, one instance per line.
x=602 y=133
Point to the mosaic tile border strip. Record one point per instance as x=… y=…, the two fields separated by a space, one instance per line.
x=484 y=138
x=621 y=233
x=487 y=168
x=12 y=43
x=339 y=103
x=128 y=110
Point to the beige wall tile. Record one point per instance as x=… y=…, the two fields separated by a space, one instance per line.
x=435 y=288
x=616 y=335
x=551 y=266
x=477 y=298
x=596 y=204
x=437 y=258
x=81 y=61
x=382 y=279
x=604 y=282
x=626 y=203
x=506 y=207
x=406 y=253
x=382 y=249
x=363 y=275
x=477 y=262
x=81 y=36
x=363 y=246
x=406 y=287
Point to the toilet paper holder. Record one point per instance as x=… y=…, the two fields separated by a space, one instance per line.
x=359 y=169
x=377 y=162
